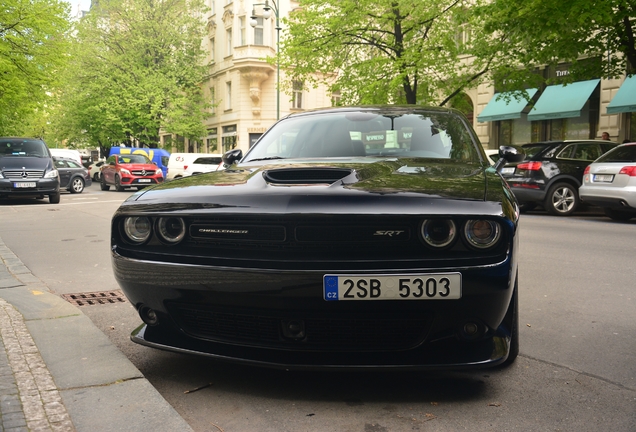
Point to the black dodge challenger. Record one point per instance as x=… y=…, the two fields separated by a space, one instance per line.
x=365 y=237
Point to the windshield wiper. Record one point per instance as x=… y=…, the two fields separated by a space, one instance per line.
x=265 y=158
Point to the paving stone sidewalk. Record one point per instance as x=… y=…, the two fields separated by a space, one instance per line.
x=56 y=366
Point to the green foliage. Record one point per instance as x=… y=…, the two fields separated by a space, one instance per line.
x=32 y=46
x=597 y=38
x=382 y=51
x=136 y=68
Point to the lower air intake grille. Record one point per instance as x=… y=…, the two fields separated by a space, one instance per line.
x=344 y=334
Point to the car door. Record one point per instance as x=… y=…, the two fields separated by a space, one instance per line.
x=108 y=170
x=64 y=172
x=585 y=154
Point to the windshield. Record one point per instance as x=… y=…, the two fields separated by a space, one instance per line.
x=23 y=147
x=400 y=133
x=139 y=159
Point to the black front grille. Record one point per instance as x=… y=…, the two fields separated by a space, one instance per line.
x=355 y=333
x=23 y=174
x=143 y=173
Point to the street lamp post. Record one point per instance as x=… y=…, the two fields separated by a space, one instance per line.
x=267 y=12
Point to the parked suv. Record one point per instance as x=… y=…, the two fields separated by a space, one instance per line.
x=552 y=173
x=73 y=176
x=27 y=170
x=129 y=170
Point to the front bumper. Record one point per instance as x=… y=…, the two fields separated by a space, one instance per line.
x=239 y=315
x=42 y=187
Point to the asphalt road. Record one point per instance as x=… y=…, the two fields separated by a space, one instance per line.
x=576 y=370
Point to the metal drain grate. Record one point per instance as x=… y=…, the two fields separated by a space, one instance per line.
x=95 y=298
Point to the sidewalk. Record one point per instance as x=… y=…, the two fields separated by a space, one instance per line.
x=59 y=372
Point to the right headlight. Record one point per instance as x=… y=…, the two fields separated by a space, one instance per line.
x=51 y=174
x=137 y=229
x=438 y=233
x=482 y=233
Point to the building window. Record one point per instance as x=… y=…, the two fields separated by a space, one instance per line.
x=258 y=32
x=212 y=49
x=335 y=98
x=242 y=29
x=297 y=95
x=212 y=101
x=228 y=95
x=228 y=38
x=228 y=138
x=212 y=7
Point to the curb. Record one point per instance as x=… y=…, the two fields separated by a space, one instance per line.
x=59 y=372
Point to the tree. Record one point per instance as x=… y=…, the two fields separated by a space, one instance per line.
x=597 y=38
x=32 y=51
x=379 y=51
x=136 y=67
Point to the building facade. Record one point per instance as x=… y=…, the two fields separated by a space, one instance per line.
x=580 y=110
x=243 y=86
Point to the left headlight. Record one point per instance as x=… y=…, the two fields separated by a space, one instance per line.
x=481 y=233
x=51 y=174
x=137 y=229
x=159 y=172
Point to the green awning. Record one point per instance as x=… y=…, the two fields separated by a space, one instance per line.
x=563 y=101
x=501 y=109
x=625 y=99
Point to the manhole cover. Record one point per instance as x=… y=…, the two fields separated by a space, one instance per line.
x=95 y=298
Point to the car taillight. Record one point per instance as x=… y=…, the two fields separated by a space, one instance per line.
x=629 y=170
x=587 y=170
x=530 y=166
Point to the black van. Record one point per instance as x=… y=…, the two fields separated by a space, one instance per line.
x=27 y=170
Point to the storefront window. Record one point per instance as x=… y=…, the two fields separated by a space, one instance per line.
x=631 y=135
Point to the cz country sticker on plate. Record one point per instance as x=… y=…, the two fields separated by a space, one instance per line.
x=426 y=286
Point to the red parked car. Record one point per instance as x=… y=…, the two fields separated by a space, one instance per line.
x=134 y=170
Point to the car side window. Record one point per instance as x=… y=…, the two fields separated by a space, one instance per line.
x=59 y=163
x=587 y=152
x=72 y=164
x=566 y=153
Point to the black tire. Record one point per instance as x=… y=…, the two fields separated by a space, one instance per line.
x=96 y=177
x=118 y=186
x=618 y=215
x=527 y=206
x=562 y=199
x=77 y=185
x=512 y=320
x=103 y=185
x=54 y=198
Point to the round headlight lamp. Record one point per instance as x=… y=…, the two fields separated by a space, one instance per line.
x=482 y=233
x=171 y=229
x=438 y=233
x=137 y=229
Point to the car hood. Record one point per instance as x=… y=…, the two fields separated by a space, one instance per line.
x=24 y=162
x=353 y=185
x=139 y=167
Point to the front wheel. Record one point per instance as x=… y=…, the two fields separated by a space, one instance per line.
x=118 y=185
x=77 y=185
x=54 y=198
x=562 y=199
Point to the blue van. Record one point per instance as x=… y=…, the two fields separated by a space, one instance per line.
x=159 y=156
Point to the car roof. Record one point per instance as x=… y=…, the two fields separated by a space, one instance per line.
x=374 y=108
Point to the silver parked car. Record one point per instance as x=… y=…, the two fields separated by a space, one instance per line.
x=610 y=182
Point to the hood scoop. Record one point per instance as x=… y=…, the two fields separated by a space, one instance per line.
x=291 y=176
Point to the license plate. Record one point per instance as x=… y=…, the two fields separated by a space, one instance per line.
x=509 y=170
x=144 y=180
x=603 y=178
x=24 y=185
x=426 y=286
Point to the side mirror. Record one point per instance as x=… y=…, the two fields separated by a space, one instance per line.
x=509 y=154
x=232 y=156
